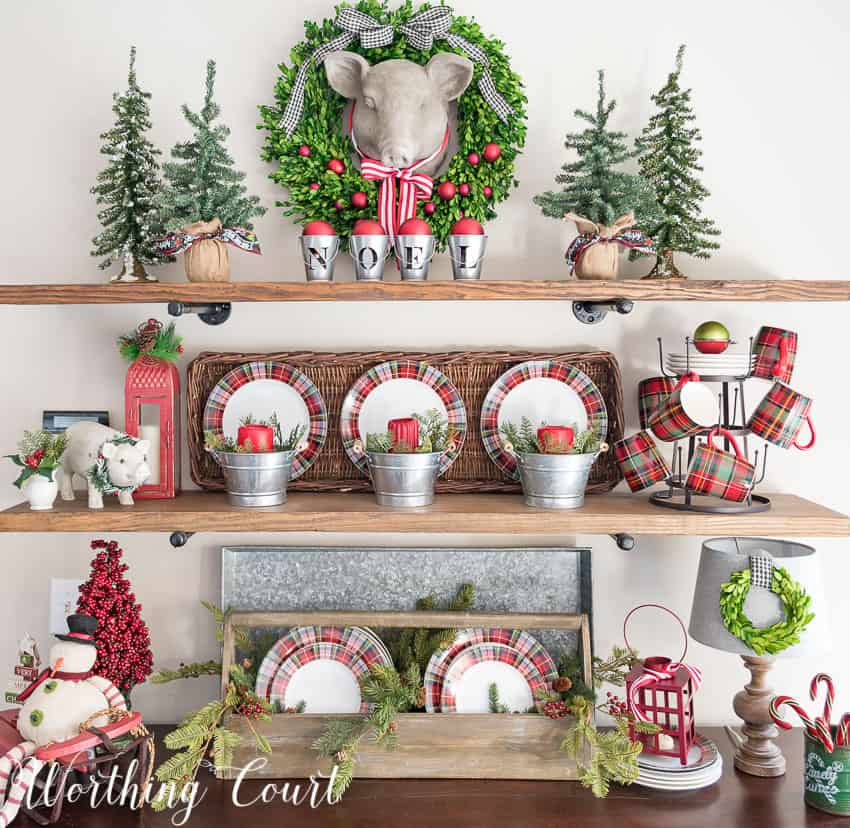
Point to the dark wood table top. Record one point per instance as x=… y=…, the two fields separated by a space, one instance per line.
x=737 y=800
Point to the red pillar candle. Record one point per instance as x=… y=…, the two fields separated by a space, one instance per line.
x=261 y=437
x=555 y=439
x=405 y=432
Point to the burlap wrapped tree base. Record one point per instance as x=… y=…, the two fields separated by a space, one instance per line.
x=206 y=260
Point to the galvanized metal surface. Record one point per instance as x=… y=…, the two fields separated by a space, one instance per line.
x=319 y=253
x=403 y=481
x=467 y=254
x=555 y=481
x=369 y=254
x=256 y=480
x=414 y=254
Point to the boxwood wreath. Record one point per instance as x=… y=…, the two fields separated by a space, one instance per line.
x=341 y=197
x=779 y=636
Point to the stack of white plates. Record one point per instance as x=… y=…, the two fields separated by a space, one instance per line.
x=667 y=773
x=728 y=365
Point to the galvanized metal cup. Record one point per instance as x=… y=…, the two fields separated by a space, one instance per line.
x=403 y=480
x=254 y=480
x=414 y=254
x=319 y=253
x=369 y=254
x=555 y=481
x=826 y=777
x=466 y=253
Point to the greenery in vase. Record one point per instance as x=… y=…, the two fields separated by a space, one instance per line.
x=201 y=183
x=669 y=159
x=523 y=439
x=435 y=435
x=593 y=186
x=128 y=186
x=39 y=452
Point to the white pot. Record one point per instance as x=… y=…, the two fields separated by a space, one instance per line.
x=41 y=492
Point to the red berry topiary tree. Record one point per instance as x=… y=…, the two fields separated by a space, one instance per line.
x=123 y=640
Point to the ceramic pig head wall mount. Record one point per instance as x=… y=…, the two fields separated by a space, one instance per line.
x=401 y=109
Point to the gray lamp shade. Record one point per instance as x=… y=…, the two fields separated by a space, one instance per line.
x=721 y=557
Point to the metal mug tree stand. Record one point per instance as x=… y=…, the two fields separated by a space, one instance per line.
x=678 y=495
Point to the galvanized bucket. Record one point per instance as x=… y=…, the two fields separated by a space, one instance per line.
x=369 y=254
x=414 y=254
x=319 y=254
x=254 y=480
x=826 y=777
x=403 y=480
x=555 y=481
x=467 y=253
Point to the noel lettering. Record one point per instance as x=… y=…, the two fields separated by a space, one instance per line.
x=821 y=778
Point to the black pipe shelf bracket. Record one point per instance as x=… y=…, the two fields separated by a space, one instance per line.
x=210 y=313
x=624 y=541
x=180 y=539
x=592 y=313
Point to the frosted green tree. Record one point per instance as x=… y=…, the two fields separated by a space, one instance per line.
x=669 y=159
x=202 y=184
x=593 y=186
x=128 y=187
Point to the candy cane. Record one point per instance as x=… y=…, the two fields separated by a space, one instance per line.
x=826 y=679
x=778 y=701
x=824 y=734
x=843 y=739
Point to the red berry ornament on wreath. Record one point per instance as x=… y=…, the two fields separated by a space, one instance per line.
x=359 y=200
x=447 y=191
x=474 y=159
x=304 y=151
x=336 y=166
x=492 y=152
x=430 y=208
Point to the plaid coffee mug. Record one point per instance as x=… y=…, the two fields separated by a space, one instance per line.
x=640 y=461
x=651 y=393
x=779 y=418
x=690 y=409
x=719 y=473
x=775 y=350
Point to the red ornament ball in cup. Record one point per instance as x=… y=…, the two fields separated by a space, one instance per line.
x=359 y=200
x=447 y=191
x=488 y=192
x=304 y=151
x=430 y=208
x=319 y=228
x=367 y=227
x=336 y=166
x=315 y=185
x=467 y=227
x=415 y=227
x=492 y=152
x=464 y=189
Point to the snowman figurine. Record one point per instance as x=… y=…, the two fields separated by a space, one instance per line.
x=64 y=696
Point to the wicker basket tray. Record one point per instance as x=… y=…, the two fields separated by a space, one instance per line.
x=473 y=372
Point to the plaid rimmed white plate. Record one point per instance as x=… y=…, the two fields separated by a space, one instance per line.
x=467 y=682
x=399 y=388
x=325 y=677
x=525 y=644
x=265 y=388
x=361 y=640
x=545 y=391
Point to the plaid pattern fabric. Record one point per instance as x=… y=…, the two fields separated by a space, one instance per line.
x=364 y=643
x=321 y=651
x=652 y=392
x=767 y=350
x=640 y=461
x=281 y=372
x=780 y=415
x=480 y=653
x=525 y=644
x=671 y=422
x=720 y=474
x=761 y=571
x=584 y=387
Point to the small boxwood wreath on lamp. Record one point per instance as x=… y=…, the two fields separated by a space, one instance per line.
x=314 y=157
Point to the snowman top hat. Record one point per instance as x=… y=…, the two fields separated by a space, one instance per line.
x=81 y=629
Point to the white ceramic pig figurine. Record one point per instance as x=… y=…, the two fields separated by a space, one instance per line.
x=401 y=108
x=109 y=460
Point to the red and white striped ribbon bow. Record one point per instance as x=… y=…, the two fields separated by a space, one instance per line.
x=652 y=676
x=412 y=186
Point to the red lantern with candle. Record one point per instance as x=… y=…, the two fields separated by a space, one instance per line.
x=152 y=403
x=661 y=692
x=405 y=433
x=556 y=439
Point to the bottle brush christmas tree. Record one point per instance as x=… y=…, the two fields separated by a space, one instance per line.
x=602 y=199
x=123 y=640
x=128 y=187
x=669 y=159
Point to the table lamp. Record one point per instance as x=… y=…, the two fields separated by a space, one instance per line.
x=722 y=562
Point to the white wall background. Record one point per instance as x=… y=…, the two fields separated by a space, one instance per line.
x=771 y=95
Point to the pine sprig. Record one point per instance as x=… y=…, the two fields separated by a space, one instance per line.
x=167 y=344
x=523 y=439
x=193 y=670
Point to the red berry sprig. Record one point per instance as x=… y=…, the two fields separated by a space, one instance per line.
x=556 y=709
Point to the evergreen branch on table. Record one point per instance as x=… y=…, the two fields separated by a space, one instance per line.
x=615 y=668
x=193 y=670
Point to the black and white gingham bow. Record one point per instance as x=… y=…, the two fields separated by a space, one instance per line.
x=420 y=31
x=761 y=571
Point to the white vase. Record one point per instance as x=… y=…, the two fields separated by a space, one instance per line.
x=41 y=491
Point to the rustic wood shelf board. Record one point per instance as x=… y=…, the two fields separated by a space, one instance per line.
x=692 y=290
x=789 y=516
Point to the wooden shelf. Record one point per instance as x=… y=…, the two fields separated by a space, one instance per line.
x=602 y=514
x=693 y=290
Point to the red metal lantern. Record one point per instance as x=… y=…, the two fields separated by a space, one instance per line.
x=152 y=412
x=661 y=691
